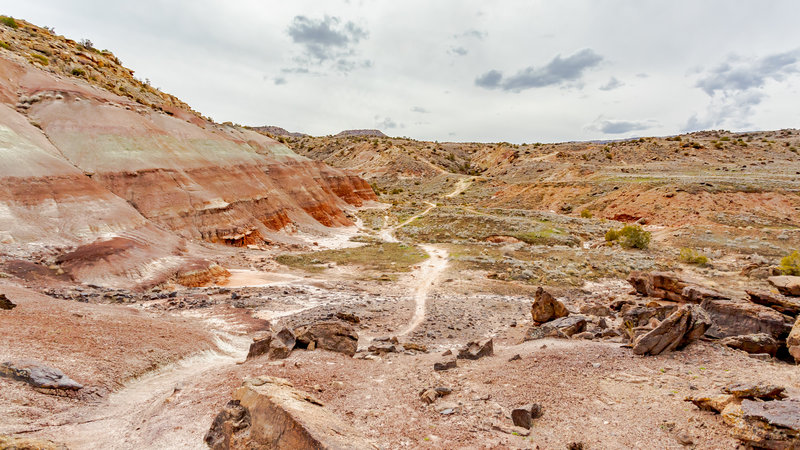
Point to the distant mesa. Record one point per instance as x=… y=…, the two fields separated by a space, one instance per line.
x=374 y=133
x=278 y=131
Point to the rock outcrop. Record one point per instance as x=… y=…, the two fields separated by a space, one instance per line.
x=752 y=343
x=685 y=325
x=759 y=415
x=786 y=284
x=269 y=412
x=731 y=318
x=334 y=336
x=28 y=443
x=114 y=174
x=666 y=285
x=778 y=302
x=545 y=307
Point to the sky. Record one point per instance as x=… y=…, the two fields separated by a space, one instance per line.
x=458 y=70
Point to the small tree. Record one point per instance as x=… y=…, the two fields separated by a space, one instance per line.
x=630 y=236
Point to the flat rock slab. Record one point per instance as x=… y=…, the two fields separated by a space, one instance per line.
x=786 y=284
x=782 y=414
x=38 y=375
x=268 y=412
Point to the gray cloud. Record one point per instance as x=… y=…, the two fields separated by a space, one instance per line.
x=387 y=124
x=558 y=71
x=326 y=38
x=419 y=109
x=458 y=51
x=613 y=83
x=475 y=34
x=607 y=126
x=279 y=80
x=735 y=88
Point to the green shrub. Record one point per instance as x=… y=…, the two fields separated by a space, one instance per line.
x=790 y=264
x=586 y=214
x=9 y=22
x=41 y=59
x=691 y=256
x=630 y=236
x=5 y=45
x=724 y=138
x=78 y=72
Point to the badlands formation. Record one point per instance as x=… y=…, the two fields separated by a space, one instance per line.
x=170 y=282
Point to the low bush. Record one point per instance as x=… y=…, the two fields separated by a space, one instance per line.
x=630 y=236
x=691 y=256
x=790 y=264
x=586 y=214
x=9 y=22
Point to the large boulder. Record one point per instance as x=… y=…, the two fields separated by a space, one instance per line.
x=666 y=285
x=260 y=345
x=752 y=343
x=786 y=284
x=546 y=308
x=39 y=376
x=334 y=336
x=778 y=302
x=731 y=318
x=282 y=344
x=793 y=341
x=269 y=412
x=564 y=327
x=477 y=349
x=685 y=325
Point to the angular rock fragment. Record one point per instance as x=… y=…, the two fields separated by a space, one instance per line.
x=685 y=325
x=666 y=285
x=594 y=309
x=334 y=336
x=445 y=363
x=731 y=318
x=755 y=391
x=269 y=412
x=546 y=308
x=260 y=345
x=696 y=294
x=38 y=375
x=793 y=341
x=786 y=284
x=752 y=343
x=524 y=415
x=477 y=349
x=28 y=443
x=778 y=302
x=5 y=303
x=282 y=344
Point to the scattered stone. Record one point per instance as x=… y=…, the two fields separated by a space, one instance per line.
x=524 y=415
x=348 y=317
x=269 y=412
x=415 y=347
x=516 y=431
x=47 y=379
x=786 y=284
x=446 y=363
x=730 y=318
x=685 y=325
x=752 y=343
x=594 y=309
x=334 y=336
x=516 y=357
x=584 y=335
x=5 y=303
x=428 y=396
x=546 y=308
x=778 y=302
x=696 y=294
x=715 y=403
x=477 y=349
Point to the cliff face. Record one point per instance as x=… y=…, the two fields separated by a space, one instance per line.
x=81 y=165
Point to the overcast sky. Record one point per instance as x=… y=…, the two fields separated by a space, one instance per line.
x=458 y=70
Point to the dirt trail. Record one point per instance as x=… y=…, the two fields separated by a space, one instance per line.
x=136 y=416
x=428 y=273
x=387 y=233
x=461 y=186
